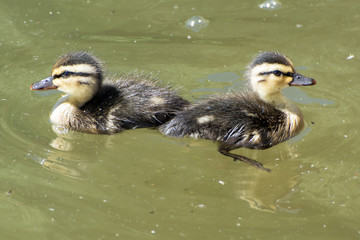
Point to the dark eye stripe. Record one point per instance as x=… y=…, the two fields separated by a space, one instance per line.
x=276 y=72
x=72 y=74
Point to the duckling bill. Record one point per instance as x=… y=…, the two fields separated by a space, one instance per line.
x=258 y=118
x=101 y=105
x=45 y=84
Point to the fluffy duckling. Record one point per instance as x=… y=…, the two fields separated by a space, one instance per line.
x=258 y=118
x=95 y=104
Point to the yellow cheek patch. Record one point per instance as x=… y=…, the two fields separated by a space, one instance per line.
x=56 y=82
x=72 y=83
x=288 y=80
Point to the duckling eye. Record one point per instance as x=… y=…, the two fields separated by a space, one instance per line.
x=65 y=74
x=277 y=73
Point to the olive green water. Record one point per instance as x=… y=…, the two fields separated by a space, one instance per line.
x=142 y=185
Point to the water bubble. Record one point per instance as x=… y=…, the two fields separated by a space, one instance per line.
x=351 y=56
x=271 y=5
x=196 y=23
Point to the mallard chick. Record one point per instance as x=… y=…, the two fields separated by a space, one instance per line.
x=95 y=104
x=258 y=118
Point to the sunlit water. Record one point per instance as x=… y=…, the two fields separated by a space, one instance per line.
x=142 y=185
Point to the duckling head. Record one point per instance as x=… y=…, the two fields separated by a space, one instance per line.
x=270 y=72
x=79 y=74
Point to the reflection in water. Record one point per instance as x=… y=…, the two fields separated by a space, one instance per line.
x=54 y=162
x=60 y=162
x=264 y=191
x=70 y=154
x=62 y=159
x=269 y=192
x=60 y=142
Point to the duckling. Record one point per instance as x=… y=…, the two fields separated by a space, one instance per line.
x=99 y=105
x=258 y=118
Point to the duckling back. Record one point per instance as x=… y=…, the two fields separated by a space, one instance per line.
x=130 y=102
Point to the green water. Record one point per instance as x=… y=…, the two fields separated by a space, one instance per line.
x=142 y=185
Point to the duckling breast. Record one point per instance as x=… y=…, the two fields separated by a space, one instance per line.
x=62 y=114
x=70 y=117
x=294 y=122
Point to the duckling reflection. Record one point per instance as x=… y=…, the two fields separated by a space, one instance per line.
x=95 y=104
x=268 y=192
x=72 y=164
x=258 y=118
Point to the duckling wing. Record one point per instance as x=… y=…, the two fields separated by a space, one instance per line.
x=146 y=105
x=130 y=104
x=237 y=121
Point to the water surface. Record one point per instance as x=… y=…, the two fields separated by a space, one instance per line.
x=142 y=185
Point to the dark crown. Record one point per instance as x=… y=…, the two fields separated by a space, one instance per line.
x=270 y=57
